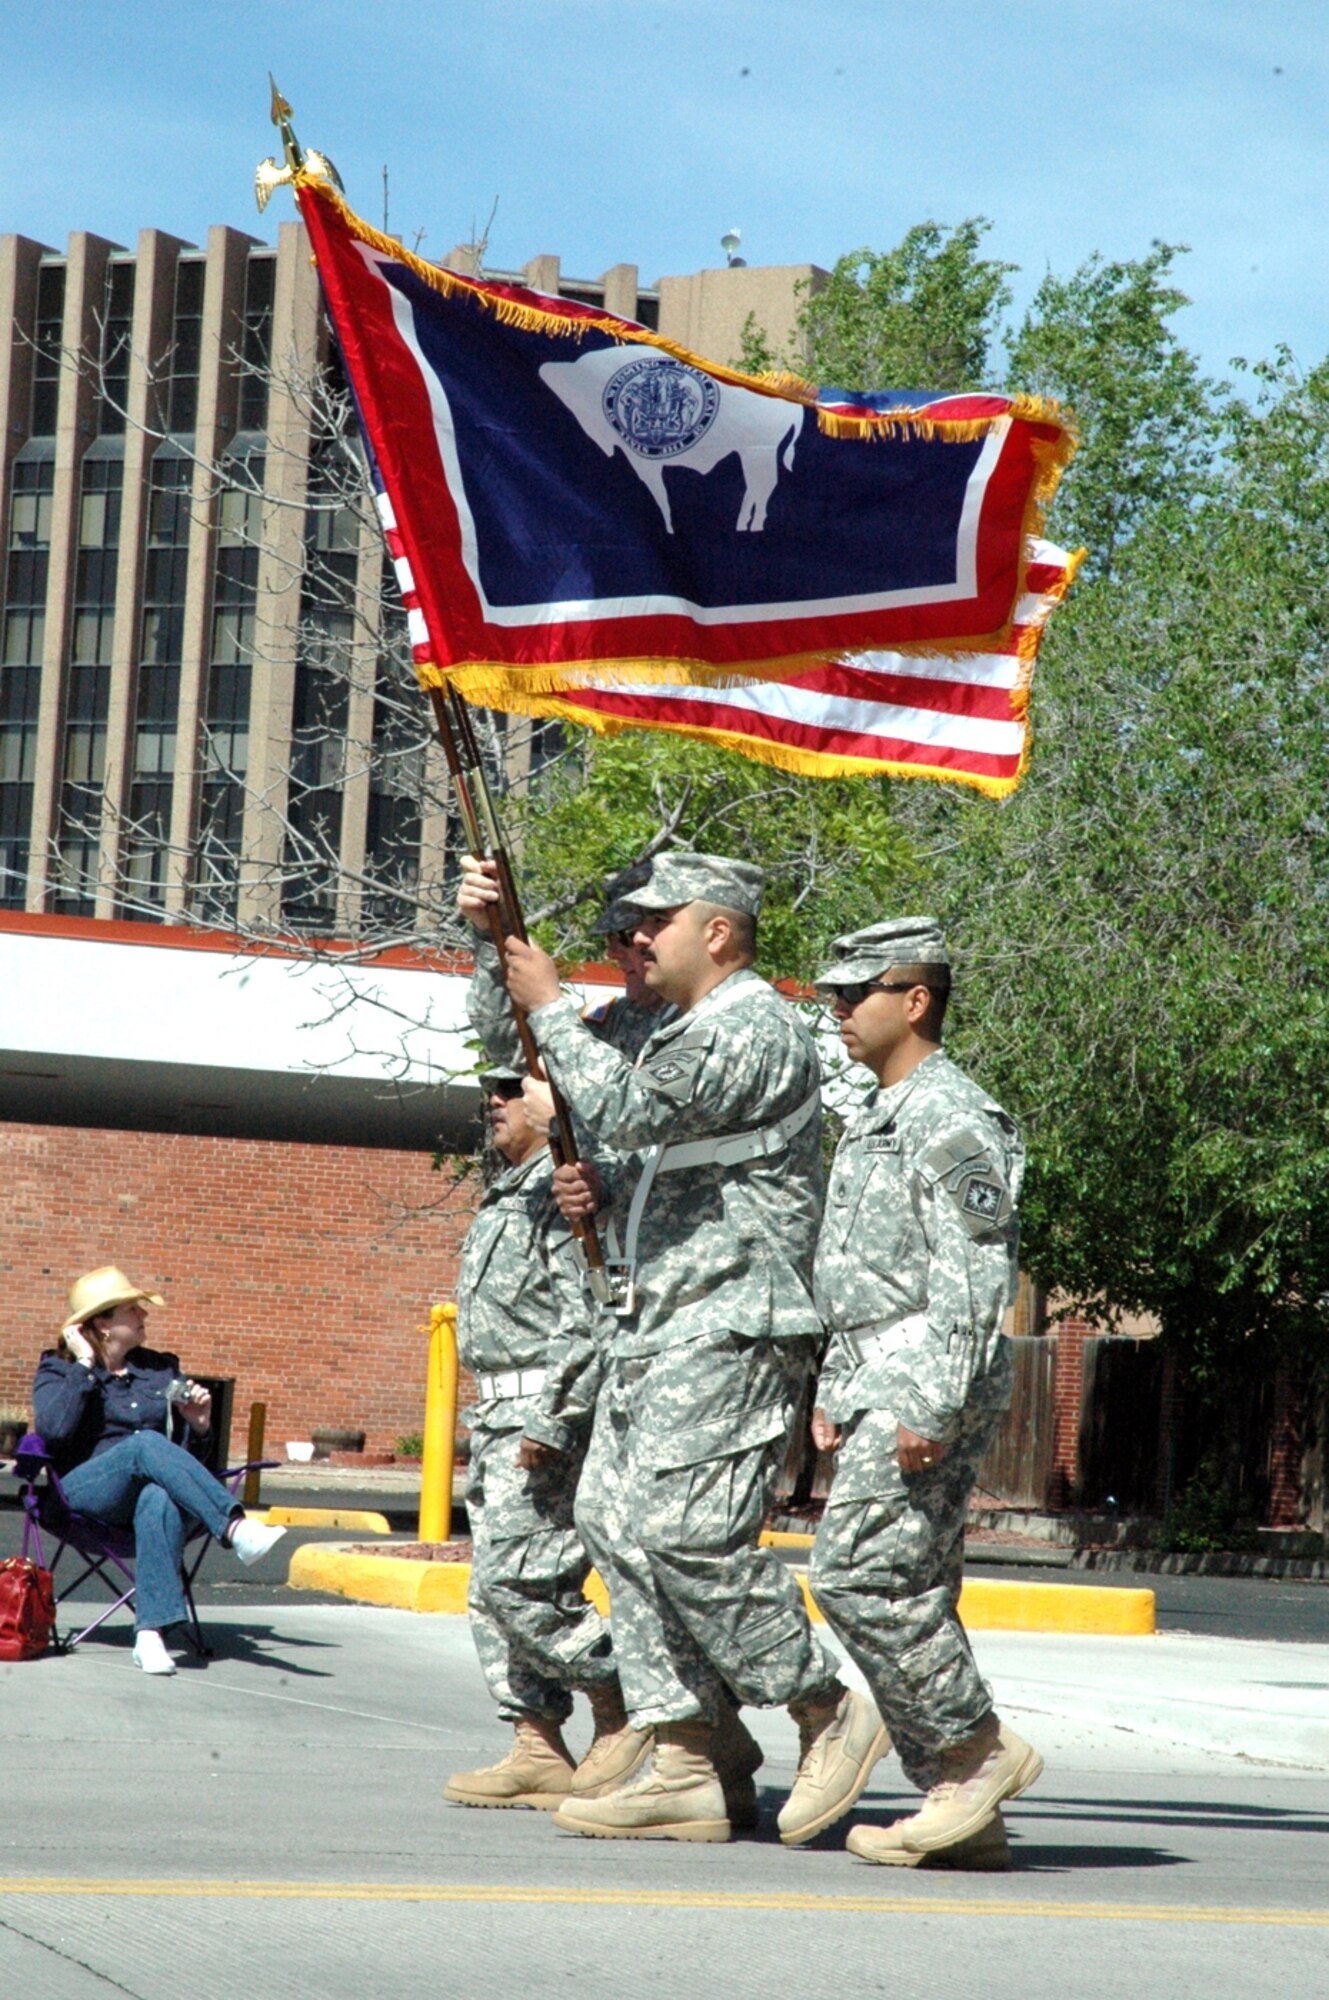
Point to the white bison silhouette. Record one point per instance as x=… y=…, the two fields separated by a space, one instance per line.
x=658 y=412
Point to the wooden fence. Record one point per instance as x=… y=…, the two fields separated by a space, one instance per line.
x=1017 y=1470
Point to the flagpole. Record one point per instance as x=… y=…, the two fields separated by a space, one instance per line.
x=470 y=786
x=479 y=813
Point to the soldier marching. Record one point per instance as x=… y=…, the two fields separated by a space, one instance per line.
x=698 y=1097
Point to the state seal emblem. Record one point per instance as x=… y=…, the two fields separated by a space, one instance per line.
x=660 y=407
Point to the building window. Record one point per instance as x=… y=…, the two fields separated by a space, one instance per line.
x=146 y=843
x=186 y=346
x=27 y=556
x=116 y=335
x=88 y=687
x=224 y=741
x=320 y=708
x=256 y=343
x=46 y=359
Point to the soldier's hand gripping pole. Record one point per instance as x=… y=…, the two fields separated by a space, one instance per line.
x=476 y=805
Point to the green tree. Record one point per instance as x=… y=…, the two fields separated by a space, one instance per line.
x=1102 y=343
x=833 y=851
x=1146 y=923
x=923 y=315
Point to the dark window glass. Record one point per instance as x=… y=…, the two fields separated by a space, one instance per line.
x=88 y=689
x=116 y=335
x=27 y=555
x=256 y=343
x=186 y=345
x=396 y=781
x=47 y=348
x=319 y=711
x=224 y=737
x=157 y=696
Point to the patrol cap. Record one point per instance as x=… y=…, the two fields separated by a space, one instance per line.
x=489 y=1077
x=676 y=879
x=620 y=910
x=869 y=953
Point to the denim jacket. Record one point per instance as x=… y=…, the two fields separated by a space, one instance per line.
x=83 y=1411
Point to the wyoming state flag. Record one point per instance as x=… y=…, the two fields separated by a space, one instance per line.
x=575 y=502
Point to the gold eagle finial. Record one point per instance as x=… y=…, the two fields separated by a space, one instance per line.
x=269 y=176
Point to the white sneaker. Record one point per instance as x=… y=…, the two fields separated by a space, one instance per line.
x=150 y=1653
x=250 y=1540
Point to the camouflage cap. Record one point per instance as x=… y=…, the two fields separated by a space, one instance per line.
x=487 y=1078
x=620 y=911
x=676 y=879
x=869 y=953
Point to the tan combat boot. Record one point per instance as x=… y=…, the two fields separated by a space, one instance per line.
x=537 y=1771
x=976 y=1776
x=737 y=1757
x=985 y=1852
x=677 y=1797
x=840 y=1738
x=617 y=1750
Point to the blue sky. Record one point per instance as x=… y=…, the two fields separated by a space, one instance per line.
x=637 y=131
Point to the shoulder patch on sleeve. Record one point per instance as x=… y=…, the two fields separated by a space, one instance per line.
x=945 y=1156
x=673 y=1069
x=964 y=1166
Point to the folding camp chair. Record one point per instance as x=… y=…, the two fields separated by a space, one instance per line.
x=106 y=1552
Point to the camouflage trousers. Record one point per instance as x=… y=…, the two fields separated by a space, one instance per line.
x=886 y=1571
x=678 y=1479
x=538 y=1638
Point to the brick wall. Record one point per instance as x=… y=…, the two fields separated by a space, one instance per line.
x=1287 y=1450
x=1067 y=1394
x=302 y=1271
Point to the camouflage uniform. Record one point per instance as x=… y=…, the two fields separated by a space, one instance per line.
x=706 y=1371
x=915 y=1266
x=626 y=1025
x=521 y=1309
x=528 y=1615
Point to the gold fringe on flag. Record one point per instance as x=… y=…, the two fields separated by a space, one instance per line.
x=783 y=387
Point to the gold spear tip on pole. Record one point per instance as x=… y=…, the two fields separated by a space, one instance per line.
x=269 y=176
x=281 y=110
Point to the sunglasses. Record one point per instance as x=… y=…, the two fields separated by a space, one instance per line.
x=507 y=1091
x=854 y=992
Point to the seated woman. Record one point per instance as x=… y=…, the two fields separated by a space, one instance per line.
x=102 y=1402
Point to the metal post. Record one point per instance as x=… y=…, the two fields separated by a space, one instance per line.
x=258 y=1422
x=440 y=1427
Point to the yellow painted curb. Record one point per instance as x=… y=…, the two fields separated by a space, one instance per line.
x=988 y=1605
x=355 y=1521
x=992 y=1606
x=392 y=1580
x=985 y=1605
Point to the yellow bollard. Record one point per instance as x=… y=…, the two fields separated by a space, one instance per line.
x=440 y=1426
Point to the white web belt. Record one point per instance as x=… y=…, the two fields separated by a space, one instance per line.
x=733 y=1150
x=509 y=1382
x=890 y=1336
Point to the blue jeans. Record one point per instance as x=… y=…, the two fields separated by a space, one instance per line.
x=151 y=1485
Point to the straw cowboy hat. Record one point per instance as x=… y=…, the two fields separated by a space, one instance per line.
x=100 y=1291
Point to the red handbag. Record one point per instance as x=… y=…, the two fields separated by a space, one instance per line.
x=27 y=1609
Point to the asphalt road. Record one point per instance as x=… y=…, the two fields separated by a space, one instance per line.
x=270 y=1823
